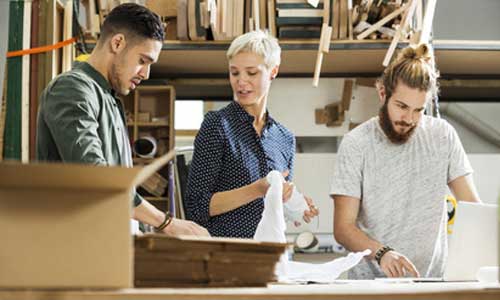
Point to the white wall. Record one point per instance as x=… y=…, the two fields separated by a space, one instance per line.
x=467 y=20
x=487 y=113
x=292 y=101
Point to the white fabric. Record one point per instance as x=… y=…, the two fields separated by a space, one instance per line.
x=295 y=207
x=326 y=272
x=134 y=227
x=271 y=228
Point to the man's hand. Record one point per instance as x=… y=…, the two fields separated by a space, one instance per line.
x=395 y=264
x=183 y=227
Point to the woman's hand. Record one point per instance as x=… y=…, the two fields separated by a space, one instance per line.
x=308 y=214
x=263 y=186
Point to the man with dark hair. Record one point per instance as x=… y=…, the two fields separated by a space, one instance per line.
x=81 y=118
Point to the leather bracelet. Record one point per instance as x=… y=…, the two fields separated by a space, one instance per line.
x=381 y=252
x=165 y=223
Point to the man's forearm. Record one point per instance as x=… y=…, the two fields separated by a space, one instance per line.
x=354 y=239
x=148 y=214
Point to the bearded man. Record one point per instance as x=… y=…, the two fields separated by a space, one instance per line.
x=81 y=118
x=392 y=174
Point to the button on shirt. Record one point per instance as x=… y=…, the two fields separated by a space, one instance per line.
x=229 y=154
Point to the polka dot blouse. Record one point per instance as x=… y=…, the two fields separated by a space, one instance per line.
x=229 y=154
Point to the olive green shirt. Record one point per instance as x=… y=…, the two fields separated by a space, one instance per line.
x=81 y=120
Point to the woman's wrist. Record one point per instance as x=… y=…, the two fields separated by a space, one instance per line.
x=261 y=187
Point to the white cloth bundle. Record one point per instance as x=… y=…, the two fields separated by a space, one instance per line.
x=272 y=226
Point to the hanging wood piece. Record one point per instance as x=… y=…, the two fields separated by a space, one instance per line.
x=382 y=22
x=407 y=16
x=349 y=19
x=427 y=23
x=324 y=42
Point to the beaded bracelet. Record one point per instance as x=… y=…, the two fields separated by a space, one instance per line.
x=380 y=252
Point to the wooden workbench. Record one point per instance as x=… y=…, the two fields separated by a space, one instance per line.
x=341 y=290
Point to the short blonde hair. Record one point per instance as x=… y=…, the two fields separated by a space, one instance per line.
x=415 y=67
x=258 y=42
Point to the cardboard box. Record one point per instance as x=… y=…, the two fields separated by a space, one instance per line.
x=68 y=225
x=162 y=261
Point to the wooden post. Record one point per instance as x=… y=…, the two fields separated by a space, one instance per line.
x=25 y=88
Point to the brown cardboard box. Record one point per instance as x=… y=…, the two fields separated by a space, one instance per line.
x=68 y=225
x=162 y=261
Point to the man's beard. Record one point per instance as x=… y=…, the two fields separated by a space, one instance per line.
x=116 y=83
x=389 y=130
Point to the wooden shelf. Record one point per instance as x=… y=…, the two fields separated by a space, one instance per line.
x=347 y=58
x=156 y=198
x=148 y=124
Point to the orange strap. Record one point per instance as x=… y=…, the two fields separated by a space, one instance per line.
x=41 y=49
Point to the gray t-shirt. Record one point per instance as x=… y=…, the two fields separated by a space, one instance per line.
x=402 y=190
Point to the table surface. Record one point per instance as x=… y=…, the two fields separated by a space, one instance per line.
x=338 y=290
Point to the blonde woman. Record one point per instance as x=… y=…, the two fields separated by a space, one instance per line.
x=240 y=144
x=392 y=174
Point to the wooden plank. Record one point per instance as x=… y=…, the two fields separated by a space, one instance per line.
x=263 y=14
x=336 y=19
x=163 y=8
x=224 y=12
x=326 y=32
x=347 y=94
x=343 y=20
x=326 y=13
x=191 y=16
x=182 y=20
x=241 y=17
x=382 y=22
x=34 y=62
x=3 y=110
x=271 y=11
x=67 y=58
x=25 y=86
x=349 y=20
x=407 y=16
x=256 y=14
x=42 y=40
x=427 y=24
x=229 y=18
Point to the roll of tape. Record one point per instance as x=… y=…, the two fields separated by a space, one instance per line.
x=306 y=241
x=145 y=147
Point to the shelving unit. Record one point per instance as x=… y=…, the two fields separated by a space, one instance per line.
x=156 y=103
x=207 y=59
